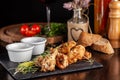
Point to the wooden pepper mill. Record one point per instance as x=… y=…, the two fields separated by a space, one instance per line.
x=114 y=26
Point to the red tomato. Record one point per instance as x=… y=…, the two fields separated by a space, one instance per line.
x=36 y=28
x=27 y=31
x=24 y=28
x=30 y=33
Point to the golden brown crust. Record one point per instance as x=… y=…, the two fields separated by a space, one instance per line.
x=87 y=55
x=103 y=45
x=87 y=39
x=96 y=42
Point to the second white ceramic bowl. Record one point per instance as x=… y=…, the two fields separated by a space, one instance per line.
x=38 y=42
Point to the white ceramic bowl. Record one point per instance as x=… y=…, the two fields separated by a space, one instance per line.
x=19 y=52
x=38 y=42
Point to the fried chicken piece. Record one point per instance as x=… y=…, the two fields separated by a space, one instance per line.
x=87 y=55
x=76 y=54
x=61 y=61
x=48 y=62
x=66 y=47
x=38 y=61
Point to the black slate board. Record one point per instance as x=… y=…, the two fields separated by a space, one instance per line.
x=79 y=66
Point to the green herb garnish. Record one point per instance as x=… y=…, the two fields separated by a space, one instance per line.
x=26 y=67
x=91 y=61
x=56 y=29
x=45 y=53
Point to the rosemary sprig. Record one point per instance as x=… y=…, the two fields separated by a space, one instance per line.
x=26 y=67
x=45 y=53
x=91 y=61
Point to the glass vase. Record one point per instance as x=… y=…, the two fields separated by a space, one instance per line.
x=78 y=23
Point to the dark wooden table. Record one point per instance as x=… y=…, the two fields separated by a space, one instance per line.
x=110 y=71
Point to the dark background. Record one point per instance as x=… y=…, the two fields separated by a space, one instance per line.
x=21 y=11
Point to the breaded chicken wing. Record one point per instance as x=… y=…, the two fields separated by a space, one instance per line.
x=76 y=53
x=61 y=61
x=48 y=62
x=87 y=55
x=66 y=47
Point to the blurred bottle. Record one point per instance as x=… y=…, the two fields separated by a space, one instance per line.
x=101 y=10
x=114 y=26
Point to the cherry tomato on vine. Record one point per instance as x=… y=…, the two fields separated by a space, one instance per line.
x=36 y=28
x=24 y=28
x=30 y=33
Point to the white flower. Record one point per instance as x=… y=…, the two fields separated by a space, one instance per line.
x=68 y=5
x=76 y=4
